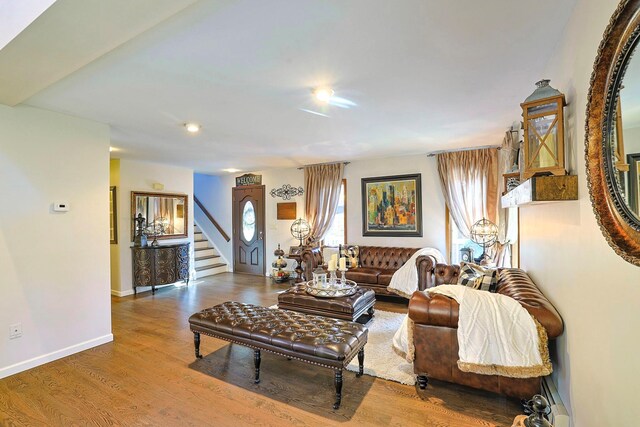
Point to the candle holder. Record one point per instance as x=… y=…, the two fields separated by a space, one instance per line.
x=343 y=278
x=332 y=277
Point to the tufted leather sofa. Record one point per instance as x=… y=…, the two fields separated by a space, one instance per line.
x=376 y=266
x=435 y=334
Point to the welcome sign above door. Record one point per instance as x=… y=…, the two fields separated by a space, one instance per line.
x=248 y=179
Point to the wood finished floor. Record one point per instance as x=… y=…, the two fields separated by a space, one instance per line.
x=148 y=376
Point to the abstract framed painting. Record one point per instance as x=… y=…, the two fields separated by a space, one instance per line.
x=392 y=206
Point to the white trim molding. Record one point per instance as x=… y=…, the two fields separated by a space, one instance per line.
x=55 y=355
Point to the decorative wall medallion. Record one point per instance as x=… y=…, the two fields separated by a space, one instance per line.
x=287 y=192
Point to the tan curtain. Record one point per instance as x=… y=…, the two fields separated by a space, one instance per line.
x=470 y=185
x=322 y=193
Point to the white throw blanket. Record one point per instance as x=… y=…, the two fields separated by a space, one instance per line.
x=404 y=281
x=496 y=335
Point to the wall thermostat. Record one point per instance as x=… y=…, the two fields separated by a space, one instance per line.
x=61 y=207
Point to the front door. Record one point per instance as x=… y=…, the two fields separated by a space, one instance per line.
x=248 y=229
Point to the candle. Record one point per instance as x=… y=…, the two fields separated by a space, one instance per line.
x=334 y=258
x=332 y=265
x=343 y=264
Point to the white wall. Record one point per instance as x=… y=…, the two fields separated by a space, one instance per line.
x=140 y=176
x=596 y=292
x=55 y=266
x=433 y=205
x=215 y=194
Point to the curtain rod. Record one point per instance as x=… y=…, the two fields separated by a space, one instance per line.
x=433 y=153
x=326 y=163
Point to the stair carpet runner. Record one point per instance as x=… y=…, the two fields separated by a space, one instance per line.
x=207 y=260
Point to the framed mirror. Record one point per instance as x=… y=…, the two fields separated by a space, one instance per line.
x=166 y=215
x=612 y=146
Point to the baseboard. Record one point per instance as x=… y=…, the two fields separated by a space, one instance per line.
x=121 y=293
x=559 y=416
x=55 y=355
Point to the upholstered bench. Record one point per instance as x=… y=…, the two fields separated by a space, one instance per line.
x=317 y=340
x=351 y=307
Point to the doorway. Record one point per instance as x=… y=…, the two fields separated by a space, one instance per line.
x=248 y=229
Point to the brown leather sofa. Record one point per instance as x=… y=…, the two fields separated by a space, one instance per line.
x=376 y=266
x=435 y=334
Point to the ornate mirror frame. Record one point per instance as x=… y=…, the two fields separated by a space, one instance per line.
x=185 y=213
x=619 y=226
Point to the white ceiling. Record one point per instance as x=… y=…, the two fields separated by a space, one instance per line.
x=425 y=75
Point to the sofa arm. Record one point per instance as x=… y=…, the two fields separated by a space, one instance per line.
x=425 y=265
x=310 y=258
x=433 y=310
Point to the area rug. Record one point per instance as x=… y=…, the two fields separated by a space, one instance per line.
x=379 y=358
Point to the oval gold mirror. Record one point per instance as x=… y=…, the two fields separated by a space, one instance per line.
x=612 y=146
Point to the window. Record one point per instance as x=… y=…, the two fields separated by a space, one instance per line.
x=457 y=241
x=337 y=233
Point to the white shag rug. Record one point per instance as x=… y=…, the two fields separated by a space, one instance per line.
x=380 y=360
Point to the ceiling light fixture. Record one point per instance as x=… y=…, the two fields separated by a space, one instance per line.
x=231 y=170
x=323 y=94
x=192 y=127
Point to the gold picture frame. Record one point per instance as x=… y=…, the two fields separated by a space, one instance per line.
x=113 y=215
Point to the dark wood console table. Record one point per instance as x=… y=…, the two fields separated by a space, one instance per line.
x=160 y=265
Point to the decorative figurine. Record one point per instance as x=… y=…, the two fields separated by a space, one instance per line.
x=137 y=241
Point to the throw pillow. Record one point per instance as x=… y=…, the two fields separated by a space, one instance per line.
x=478 y=277
x=352 y=254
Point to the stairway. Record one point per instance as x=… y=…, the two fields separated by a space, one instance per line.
x=207 y=260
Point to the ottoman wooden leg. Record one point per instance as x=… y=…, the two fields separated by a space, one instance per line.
x=360 y=362
x=256 y=360
x=196 y=343
x=338 y=383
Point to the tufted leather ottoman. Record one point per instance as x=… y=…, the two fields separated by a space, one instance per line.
x=321 y=341
x=346 y=308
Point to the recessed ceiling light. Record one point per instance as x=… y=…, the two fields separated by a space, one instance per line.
x=323 y=94
x=192 y=127
x=231 y=170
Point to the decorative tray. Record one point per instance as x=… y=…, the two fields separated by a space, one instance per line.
x=332 y=290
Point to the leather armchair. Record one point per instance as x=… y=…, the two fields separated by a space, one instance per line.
x=435 y=333
x=377 y=265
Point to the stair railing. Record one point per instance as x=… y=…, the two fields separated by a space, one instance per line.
x=213 y=221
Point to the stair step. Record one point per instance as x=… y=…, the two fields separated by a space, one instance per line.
x=206 y=257
x=203 y=249
x=199 y=240
x=208 y=267
x=212 y=271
